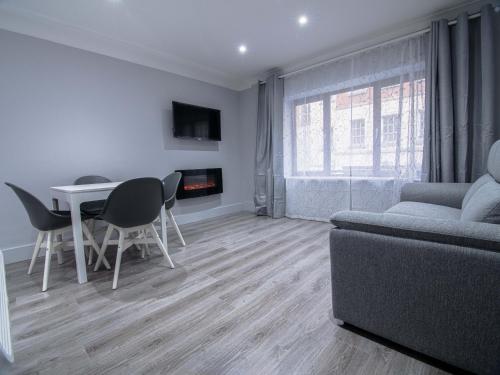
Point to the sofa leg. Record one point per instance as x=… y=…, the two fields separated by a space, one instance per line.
x=338 y=322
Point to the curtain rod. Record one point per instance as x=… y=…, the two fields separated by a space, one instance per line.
x=407 y=36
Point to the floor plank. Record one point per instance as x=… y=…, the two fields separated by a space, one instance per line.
x=249 y=295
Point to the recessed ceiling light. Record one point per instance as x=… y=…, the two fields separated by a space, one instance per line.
x=303 y=20
x=242 y=49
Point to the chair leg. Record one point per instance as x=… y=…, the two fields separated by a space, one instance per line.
x=55 y=205
x=118 y=262
x=103 y=247
x=59 y=254
x=88 y=253
x=48 y=252
x=94 y=246
x=143 y=247
x=176 y=227
x=39 y=240
x=91 y=229
x=148 y=251
x=160 y=245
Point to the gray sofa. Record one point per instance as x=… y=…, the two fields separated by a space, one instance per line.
x=426 y=273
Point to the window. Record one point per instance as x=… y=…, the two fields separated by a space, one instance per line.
x=420 y=126
x=362 y=132
x=389 y=124
x=351 y=132
x=309 y=134
x=358 y=133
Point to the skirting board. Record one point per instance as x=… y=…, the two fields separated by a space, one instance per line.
x=23 y=252
x=214 y=212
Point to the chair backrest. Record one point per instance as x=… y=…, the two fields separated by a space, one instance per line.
x=170 y=184
x=134 y=202
x=86 y=180
x=39 y=215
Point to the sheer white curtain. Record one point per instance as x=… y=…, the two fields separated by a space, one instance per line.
x=353 y=130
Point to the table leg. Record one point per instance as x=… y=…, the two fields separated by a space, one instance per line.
x=55 y=206
x=76 y=220
x=163 y=217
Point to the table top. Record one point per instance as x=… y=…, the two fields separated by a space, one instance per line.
x=73 y=189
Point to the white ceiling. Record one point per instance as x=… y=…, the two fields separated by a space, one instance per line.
x=199 y=38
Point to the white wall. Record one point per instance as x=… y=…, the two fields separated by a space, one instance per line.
x=65 y=113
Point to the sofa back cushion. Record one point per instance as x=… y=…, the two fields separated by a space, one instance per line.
x=474 y=188
x=494 y=161
x=482 y=201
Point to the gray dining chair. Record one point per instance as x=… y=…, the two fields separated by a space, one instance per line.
x=170 y=184
x=91 y=209
x=51 y=224
x=132 y=207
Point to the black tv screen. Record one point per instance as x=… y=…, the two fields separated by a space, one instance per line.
x=191 y=121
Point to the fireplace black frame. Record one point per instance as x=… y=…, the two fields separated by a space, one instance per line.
x=216 y=173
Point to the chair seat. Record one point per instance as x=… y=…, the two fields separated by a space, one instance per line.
x=429 y=210
x=67 y=215
x=60 y=219
x=61 y=212
x=92 y=209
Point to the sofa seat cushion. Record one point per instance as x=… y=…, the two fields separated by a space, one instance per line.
x=429 y=210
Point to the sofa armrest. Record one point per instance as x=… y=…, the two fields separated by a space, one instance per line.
x=454 y=232
x=445 y=194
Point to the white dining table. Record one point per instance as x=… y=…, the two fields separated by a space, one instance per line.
x=74 y=196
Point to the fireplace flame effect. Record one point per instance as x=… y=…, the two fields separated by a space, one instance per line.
x=199 y=185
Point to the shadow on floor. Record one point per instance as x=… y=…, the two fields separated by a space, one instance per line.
x=140 y=279
x=404 y=350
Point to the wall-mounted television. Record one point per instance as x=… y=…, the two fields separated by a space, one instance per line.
x=192 y=121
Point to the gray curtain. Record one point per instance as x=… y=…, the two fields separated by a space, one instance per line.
x=462 y=97
x=269 y=180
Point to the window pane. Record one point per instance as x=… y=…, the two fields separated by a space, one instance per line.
x=352 y=133
x=358 y=133
x=309 y=137
x=402 y=110
x=389 y=126
x=419 y=124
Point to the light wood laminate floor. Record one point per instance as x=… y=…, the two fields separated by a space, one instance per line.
x=249 y=295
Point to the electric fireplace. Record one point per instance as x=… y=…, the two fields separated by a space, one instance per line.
x=199 y=183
